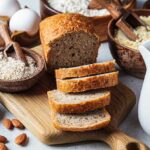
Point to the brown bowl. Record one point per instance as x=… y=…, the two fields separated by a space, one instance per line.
x=25 y=83
x=100 y=22
x=128 y=59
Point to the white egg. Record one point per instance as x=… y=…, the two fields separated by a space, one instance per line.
x=8 y=7
x=25 y=20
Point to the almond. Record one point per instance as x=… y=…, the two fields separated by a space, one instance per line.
x=16 y=123
x=3 y=139
x=21 y=139
x=7 y=123
x=3 y=146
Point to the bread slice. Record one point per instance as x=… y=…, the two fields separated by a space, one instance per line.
x=86 y=70
x=87 y=83
x=82 y=122
x=78 y=103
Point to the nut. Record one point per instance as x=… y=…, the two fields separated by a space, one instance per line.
x=16 y=123
x=7 y=123
x=21 y=139
x=3 y=139
x=3 y=146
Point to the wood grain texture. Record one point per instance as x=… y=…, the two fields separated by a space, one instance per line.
x=32 y=109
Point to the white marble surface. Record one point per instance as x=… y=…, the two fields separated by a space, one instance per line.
x=130 y=125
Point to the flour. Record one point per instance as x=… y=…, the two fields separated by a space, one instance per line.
x=12 y=69
x=76 y=6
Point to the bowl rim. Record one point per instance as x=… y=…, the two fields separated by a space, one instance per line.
x=39 y=70
x=112 y=37
x=47 y=6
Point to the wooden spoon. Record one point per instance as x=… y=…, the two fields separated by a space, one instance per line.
x=126 y=21
x=95 y=5
x=11 y=45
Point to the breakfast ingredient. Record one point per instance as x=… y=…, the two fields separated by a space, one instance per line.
x=7 y=123
x=16 y=71
x=25 y=20
x=16 y=123
x=3 y=146
x=78 y=103
x=76 y=6
x=82 y=122
x=140 y=31
x=3 y=139
x=21 y=139
x=8 y=7
x=68 y=40
x=86 y=70
x=87 y=83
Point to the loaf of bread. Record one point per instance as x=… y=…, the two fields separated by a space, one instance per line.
x=78 y=103
x=86 y=70
x=87 y=83
x=68 y=40
x=82 y=122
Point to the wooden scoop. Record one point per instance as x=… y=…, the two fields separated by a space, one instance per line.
x=95 y=5
x=10 y=45
x=126 y=21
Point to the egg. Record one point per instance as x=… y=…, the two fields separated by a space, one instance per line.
x=8 y=7
x=25 y=20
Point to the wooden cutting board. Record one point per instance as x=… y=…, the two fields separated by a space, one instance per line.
x=32 y=109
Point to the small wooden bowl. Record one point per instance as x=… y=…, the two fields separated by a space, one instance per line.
x=24 y=39
x=128 y=59
x=25 y=83
x=100 y=22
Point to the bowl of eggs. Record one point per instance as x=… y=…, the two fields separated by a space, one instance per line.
x=126 y=51
x=100 y=17
x=23 y=22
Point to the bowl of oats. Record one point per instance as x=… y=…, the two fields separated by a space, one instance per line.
x=100 y=17
x=126 y=51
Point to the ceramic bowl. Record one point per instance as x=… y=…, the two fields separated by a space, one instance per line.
x=25 y=83
x=128 y=59
x=100 y=22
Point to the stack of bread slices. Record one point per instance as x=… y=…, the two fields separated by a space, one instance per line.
x=82 y=94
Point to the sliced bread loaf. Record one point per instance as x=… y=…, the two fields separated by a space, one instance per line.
x=87 y=83
x=78 y=103
x=86 y=70
x=82 y=122
x=68 y=40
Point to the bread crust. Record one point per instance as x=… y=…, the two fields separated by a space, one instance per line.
x=88 y=83
x=81 y=107
x=101 y=124
x=86 y=70
x=55 y=27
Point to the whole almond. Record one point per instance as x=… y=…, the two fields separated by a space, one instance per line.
x=7 y=123
x=21 y=139
x=3 y=146
x=16 y=123
x=3 y=139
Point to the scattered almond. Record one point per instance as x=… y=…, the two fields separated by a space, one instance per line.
x=21 y=139
x=3 y=146
x=16 y=123
x=3 y=139
x=7 y=123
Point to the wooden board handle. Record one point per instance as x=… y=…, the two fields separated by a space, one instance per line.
x=121 y=141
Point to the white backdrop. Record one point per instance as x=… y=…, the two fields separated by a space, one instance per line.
x=130 y=126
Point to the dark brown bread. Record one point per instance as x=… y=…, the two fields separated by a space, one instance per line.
x=88 y=83
x=86 y=70
x=68 y=40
